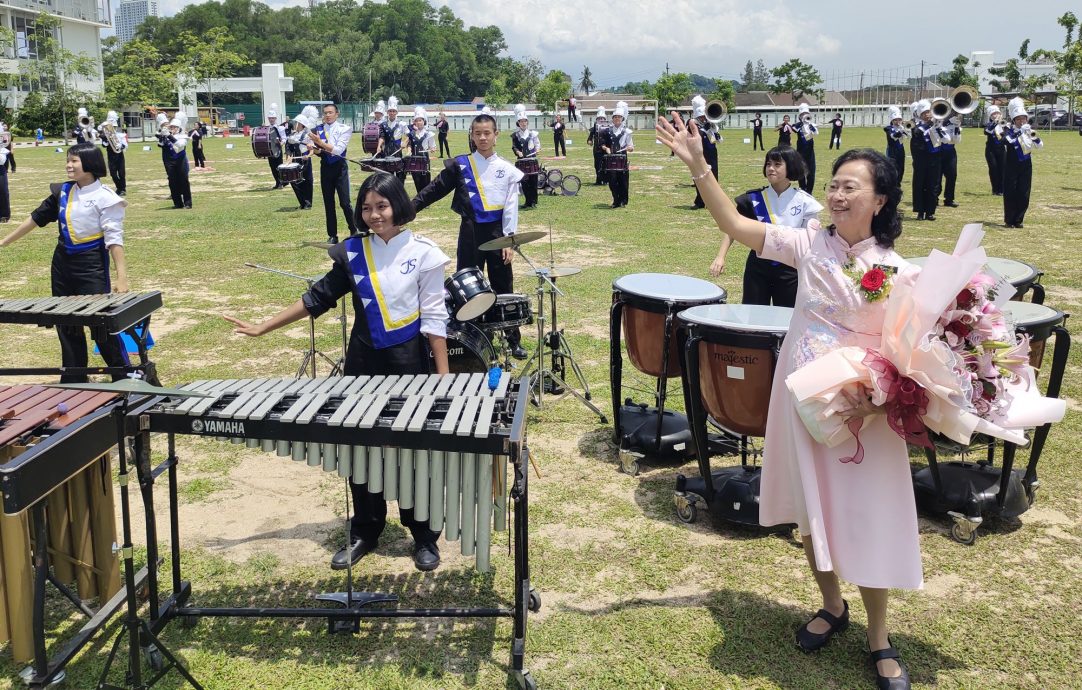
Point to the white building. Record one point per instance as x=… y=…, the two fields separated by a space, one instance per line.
x=982 y=60
x=130 y=14
x=79 y=31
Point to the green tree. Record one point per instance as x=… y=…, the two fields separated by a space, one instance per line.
x=522 y=79
x=55 y=68
x=586 y=81
x=723 y=91
x=762 y=77
x=306 y=81
x=138 y=76
x=1068 y=63
x=748 y=78
x=671 y=89
x=959 y=74
x=796 y=78
x=1009 y=77
x=498 y=94
x=208 y=57
x=553 y=88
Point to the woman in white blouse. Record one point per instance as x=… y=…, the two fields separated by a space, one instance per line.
x=90 y=220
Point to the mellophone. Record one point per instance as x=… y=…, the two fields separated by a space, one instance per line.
x=58 y=500
x=436 y=444
x=111 y=314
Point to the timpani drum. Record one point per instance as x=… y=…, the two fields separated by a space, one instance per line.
x=643 y=313
x=415 y=164
x=290 y=172
x=470 y=292
x=730 y=352
x=266 y=142
x=370 y=138
x=528 y=166
x=1036 y=321
x=1022 y=276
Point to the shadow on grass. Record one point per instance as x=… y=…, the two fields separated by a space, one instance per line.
x=758 y=643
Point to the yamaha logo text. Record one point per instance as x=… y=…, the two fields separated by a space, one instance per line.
x=217 y=426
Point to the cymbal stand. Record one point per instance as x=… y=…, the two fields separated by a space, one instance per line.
x=313 y=355
x=538 y=360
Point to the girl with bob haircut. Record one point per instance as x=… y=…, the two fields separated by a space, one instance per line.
x=782 y=203
x=396 y=282
x=90 y=220
x=858 y=522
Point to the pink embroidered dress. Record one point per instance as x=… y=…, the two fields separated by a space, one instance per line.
x=862 y=518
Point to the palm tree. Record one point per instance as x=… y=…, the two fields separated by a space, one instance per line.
x=586 y=81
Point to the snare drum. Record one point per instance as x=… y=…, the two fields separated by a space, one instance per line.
x=1022 y=276
x=470 y=292
x=528 y=166
x=390 y=164
x=508 y=311
x=266 y=142
x=370 y=138
x=416 y=164
x=468 y=349
x=733 y=349
x=614 y=162
x=290 y=172
x=1038 y=322
x=652 y=301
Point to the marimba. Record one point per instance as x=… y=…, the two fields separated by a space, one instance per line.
x=441 y=444
x=58 y=500
x=111 y=314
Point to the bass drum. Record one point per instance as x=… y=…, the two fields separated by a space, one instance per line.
x=266 y=142
x=468 y=349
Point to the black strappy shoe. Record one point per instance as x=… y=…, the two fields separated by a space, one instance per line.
x=885 y=682
x=811 y=642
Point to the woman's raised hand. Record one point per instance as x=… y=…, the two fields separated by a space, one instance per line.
x=685 y=142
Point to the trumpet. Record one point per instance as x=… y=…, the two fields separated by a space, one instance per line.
x=908 y=125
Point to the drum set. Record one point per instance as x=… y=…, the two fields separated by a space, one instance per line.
x=554 y=182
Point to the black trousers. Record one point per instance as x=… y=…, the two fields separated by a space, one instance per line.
x=176 y=169
x=601 y=177
x=619 y=184
x=993 y=155
x=757 y=139
x=933 y=177
x=117 y=170
x=274 y=163
x=558 y=144
x=11 y=157
x=421 y=180
x=500 y=275
x=334 y=179
x=808 y=154
x=1017 y=180
x=370 y=509
x=5 y=197
x=86 y=273
x=835 y=141
x=769 y=282
x=698 y=203
x=529 y=190
x=200 y=157
x=897 y=156
x=442 y=139
x=949 y=167
x=303 y=188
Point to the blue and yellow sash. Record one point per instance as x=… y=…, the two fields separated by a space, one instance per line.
x=384 y=331
x=483 y=211
x=328 y=157
x=761 y=207
x=73 y=244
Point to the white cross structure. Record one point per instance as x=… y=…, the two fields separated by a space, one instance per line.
x=272 y=84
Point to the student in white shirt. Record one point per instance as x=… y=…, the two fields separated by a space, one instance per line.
x=396 y=282
x=90 y=218
x=330 y=141
x=780 y=203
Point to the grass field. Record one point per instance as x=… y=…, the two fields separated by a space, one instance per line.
x=632 y=597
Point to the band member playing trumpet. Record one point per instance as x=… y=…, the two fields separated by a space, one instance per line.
x=805 y=146
x=84 y=131
x=395 y=279
x=925 y=144
x=993 y=149
x=421 y=143
x=785 y=132
x=174 y=144
x=485 y=189
x=526 y=145
x=618 y=141
x=330 y=141
x=710 y=137
x=1021 y=141
x=949 y=157
x=896 y=132
x=115 y=142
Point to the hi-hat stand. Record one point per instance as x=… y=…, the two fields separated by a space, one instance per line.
x=313 y=354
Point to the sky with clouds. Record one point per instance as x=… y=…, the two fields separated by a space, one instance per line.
x=624 y=40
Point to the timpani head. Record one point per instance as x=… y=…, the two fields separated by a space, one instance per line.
x=1037 y=321
x=737 y=352
x=648 y=299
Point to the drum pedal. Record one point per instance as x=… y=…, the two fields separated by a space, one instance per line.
x=354 y=601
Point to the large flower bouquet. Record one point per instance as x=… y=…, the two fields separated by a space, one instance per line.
x=948 y=362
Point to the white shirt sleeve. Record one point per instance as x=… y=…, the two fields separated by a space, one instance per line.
x=510 y=204
x=433 y=308
x=112 y=223
x=340 y=140
x=3 y=155
x=181 y=141
x=630 y=142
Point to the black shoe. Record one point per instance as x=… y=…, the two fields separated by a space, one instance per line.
x=810 y=642
x=122 y=193
x=698 y=206
x=4 y=219
x=920 y=216
x=997 y=193
x=930 y=216
x=553 y=388
x=616 y=205
x=426 y=557
x=333 y=239
x=518 y=352
x=885 y=682
x=1018 y=226
x=950 y=203
x=357 y=550
x=187 y=206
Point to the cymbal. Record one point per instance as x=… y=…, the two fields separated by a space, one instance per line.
x=511 y=241
x=559 y=271
x=130 y=386
x=318 y=245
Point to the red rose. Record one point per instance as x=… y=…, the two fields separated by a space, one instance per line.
x=873 y=279
x=960 y=329
x=965 y=299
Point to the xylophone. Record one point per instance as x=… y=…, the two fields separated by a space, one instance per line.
x=58 y=500
x=437 y=444
x=111 y=314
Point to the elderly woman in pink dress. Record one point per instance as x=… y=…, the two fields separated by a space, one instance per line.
x=856 y=513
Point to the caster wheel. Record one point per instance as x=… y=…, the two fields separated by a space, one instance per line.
x=958 y=535
x=534 y=603
x=688 y=514
x=154 y=658
x=526 y=681
x=632 y=468
x=188 y=622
